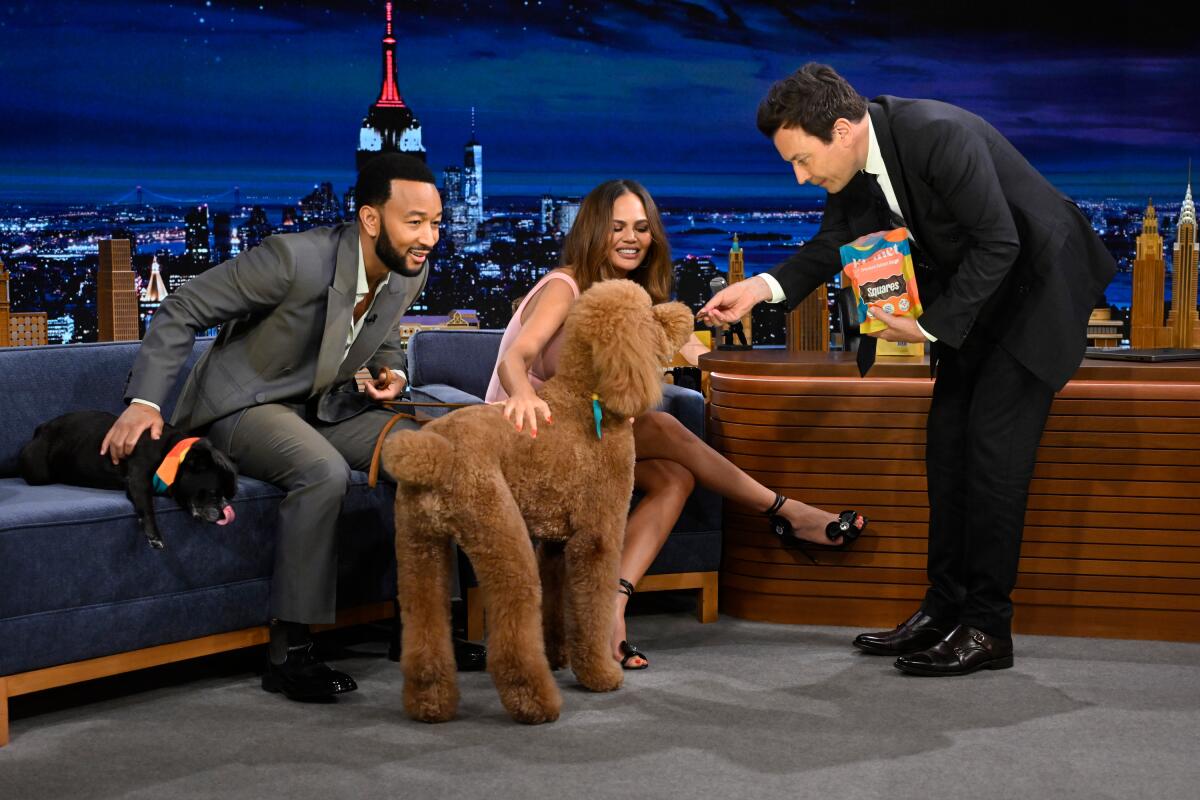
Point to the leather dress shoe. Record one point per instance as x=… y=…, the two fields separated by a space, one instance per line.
x=962 y=652
x=911 y=636
x=303 y=677
x=468 y=656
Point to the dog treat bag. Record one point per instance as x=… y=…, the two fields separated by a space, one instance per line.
x=879 y=267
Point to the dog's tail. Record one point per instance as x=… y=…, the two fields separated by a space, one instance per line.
x=418 y=458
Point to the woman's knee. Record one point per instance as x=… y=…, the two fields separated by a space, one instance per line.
x=662 y=475
x=659 y=430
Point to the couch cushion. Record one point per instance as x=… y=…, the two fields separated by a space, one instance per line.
x=69 y=554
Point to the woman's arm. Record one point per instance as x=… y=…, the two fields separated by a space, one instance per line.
x=544 y=314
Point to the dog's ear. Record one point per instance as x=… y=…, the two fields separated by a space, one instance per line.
x=228 y=472
x=204 y=452
x=676 y=320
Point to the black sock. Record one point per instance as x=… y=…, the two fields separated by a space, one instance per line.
x=284 y=635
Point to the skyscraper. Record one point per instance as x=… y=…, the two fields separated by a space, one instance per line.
x=1149 y=273
x=1183 y=320
x=153 y=295
x=256 y=228
x=546 y=221
x=222 y=237
x=390 y=126
x=116 y=301
x=473 y=182
x=197 y=251
x=565 y=213
x=737 y=274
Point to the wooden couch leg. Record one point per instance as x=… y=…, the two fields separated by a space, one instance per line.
x=474 y=614
x=706 y=604
x=3 y=711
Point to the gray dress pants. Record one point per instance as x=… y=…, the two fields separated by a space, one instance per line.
x=311 y=461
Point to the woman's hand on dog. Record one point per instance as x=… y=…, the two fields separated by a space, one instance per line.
x=123 y=436
x=522 y=409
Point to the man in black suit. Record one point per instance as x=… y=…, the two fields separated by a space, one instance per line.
x=1009 y=270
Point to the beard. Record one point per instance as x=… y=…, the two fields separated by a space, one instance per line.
x=392 y=258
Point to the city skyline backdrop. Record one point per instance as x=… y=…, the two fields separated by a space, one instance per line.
x=189 y=99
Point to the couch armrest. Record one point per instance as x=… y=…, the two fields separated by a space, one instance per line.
x=686 y=405
x=440 y=393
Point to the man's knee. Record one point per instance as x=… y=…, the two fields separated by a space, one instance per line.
x=326 y=475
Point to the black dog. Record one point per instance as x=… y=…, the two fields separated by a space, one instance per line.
x=200 y=477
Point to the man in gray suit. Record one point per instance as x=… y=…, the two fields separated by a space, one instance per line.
x=299 y=316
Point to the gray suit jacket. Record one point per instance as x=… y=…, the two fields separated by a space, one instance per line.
x=285 y=308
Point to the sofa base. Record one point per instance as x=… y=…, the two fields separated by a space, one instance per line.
x=706 y=602
x=51 y=677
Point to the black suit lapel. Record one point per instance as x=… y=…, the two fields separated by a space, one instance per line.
x=887 y=148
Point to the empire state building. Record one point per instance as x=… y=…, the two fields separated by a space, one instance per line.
x=390 y=126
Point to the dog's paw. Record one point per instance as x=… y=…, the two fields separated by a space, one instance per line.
x=603 y=677
x=532 y=700
x=156 y=543
x=436 y=702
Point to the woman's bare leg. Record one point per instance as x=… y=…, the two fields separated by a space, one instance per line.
x=658 y=435
x=665 y=486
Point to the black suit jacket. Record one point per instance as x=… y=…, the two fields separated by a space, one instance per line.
x=1004 y=250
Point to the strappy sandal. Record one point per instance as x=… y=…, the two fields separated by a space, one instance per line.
x=848 y=526
x=629 y=651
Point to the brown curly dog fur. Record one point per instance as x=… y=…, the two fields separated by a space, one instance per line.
x=471 y=477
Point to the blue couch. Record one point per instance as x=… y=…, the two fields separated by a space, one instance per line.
x=83 y=596
x=79 y=583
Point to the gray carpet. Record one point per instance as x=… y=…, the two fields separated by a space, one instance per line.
x=732 y=709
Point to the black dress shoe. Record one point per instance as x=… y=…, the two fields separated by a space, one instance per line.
x=962 y=652
x=911 y=636
x=468 y=656
x=302 y=677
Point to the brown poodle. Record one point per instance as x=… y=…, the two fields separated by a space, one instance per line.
x=471 y=477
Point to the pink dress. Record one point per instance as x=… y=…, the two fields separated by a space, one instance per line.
x=546 y=364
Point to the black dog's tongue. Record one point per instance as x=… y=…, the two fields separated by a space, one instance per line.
x=227 y=516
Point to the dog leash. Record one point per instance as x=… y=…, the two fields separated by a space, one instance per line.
x=373 y=473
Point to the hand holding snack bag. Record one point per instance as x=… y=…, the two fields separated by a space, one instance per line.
x=880 y=270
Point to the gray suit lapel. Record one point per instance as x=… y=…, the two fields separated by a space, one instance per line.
x=339 y=310
x=389 y=306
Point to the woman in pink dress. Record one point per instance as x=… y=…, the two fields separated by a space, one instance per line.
x=618 y=234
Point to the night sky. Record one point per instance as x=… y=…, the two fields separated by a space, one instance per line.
x=189 y=98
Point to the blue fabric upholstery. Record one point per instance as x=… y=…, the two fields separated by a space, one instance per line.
x=462 y=359
x=79 y=580
x=456 y=367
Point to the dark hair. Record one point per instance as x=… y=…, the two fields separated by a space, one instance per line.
x=587 y=244
x=811 y=98
x=374 y=185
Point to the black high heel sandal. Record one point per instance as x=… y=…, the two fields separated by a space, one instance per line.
x=847 y=527
x=629 y=651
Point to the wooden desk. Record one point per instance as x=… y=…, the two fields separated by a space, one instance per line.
x=1112 y=532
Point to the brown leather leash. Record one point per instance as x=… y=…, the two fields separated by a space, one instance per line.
x=373 y=474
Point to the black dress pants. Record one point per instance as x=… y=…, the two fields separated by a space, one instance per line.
x=984 y=426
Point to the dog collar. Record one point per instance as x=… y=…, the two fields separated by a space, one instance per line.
x=597 y=413
x=165 y=475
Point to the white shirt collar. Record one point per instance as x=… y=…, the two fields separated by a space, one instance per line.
x=364 y=287
x=875 y=164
